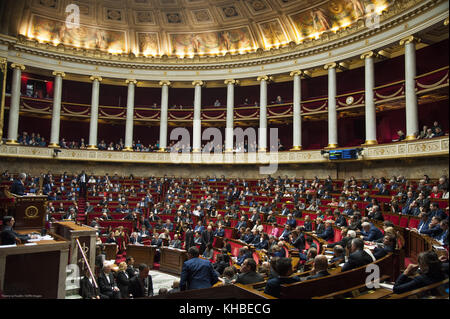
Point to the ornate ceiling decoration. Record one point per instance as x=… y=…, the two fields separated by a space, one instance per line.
x=187 y=28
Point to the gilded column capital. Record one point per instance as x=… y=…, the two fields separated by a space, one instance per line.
x=198 y=82
x=446 y=22
x=164 y=82
x=262 y=77
x=296 y=72
x=331 y=65
x=366 y=55
x=128 y=81
x=95 y=77
x=18 y=66
x=409 y=39
x=60 y=73
x=231 y=81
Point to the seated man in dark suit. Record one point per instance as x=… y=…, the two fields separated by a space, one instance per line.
x=87 y=288
x=347 y=235
x=328 y=232
x=8 y=235
x=18 y=186
x=106 y=283
x=388 y=246
x=142 y=284
x=248 y=273
x=370 y=232
x=434 y=228
x=358 y=256
x=308 y=223
x=284 y=270
x=131 y=271
x=338 y=255
x=291 y=221
x=430 y=273
x=320 y=267
x=197 y=273
x=244 y=253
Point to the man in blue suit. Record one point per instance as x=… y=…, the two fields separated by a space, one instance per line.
x=18 y=186
x=197 y=273
x=328 y=233
x=292 y=222
x=370 y=232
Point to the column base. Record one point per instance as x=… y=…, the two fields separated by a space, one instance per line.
x=230 y=150
x=370 y=142
x=54 y=145
x=262 y=149
x=11 y=142
x=196 y=150
x=161 y=150
x=411 y=138
x=127 y=149
x=296 y=148
x=332 y=146
x=92 y=147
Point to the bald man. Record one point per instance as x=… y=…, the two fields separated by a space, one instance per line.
x=320 y=267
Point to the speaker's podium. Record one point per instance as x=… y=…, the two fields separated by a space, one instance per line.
x=36 y=269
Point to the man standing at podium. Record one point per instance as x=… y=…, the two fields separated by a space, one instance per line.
x=82 y=180
x=8 y=235
x=18 y=186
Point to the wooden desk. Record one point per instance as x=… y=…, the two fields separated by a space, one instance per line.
x=375 y=294
x=142 y=254
x=37 y=271
x=172 y=260
x=87 y=237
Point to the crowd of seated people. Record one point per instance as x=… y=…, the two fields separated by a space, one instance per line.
x=35 y=139
x=427 y=132
x=357 y=224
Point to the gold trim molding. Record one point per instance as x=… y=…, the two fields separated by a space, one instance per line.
x=398 y=150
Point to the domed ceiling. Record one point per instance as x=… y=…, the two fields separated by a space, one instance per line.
x=189 y=27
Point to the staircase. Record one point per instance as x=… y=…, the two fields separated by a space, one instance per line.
x=81 y=209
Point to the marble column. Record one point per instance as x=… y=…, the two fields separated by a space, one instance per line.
x=13 y=126
x=56 y=113
x=197 y=125
x=412 y=114
x=94 y=111
x=230 y=114
x=332 y=113
x=164 y=115
x=130 y=115
x=370 y=110
x=262 y=134
x=297 y=120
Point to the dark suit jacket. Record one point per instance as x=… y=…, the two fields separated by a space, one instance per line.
x=373 y=234
x=189 y=239
x=123 y=282
x=405 y=283
x=87 y=290
x=381 y=252
x=18 y=188
x=327 y=234
x=357 y=259
x=343 y=242
x=106 y=288
x=249 y=278
x=322 y=273
x=131 y=271
x=273 y=285
x=197 y=273
x=8 y=236
x=137 y=289
x=207 y=238
x=308 y=226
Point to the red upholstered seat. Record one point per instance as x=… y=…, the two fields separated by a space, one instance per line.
x=395 y=219
x=404 y=221
x=413 y=222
